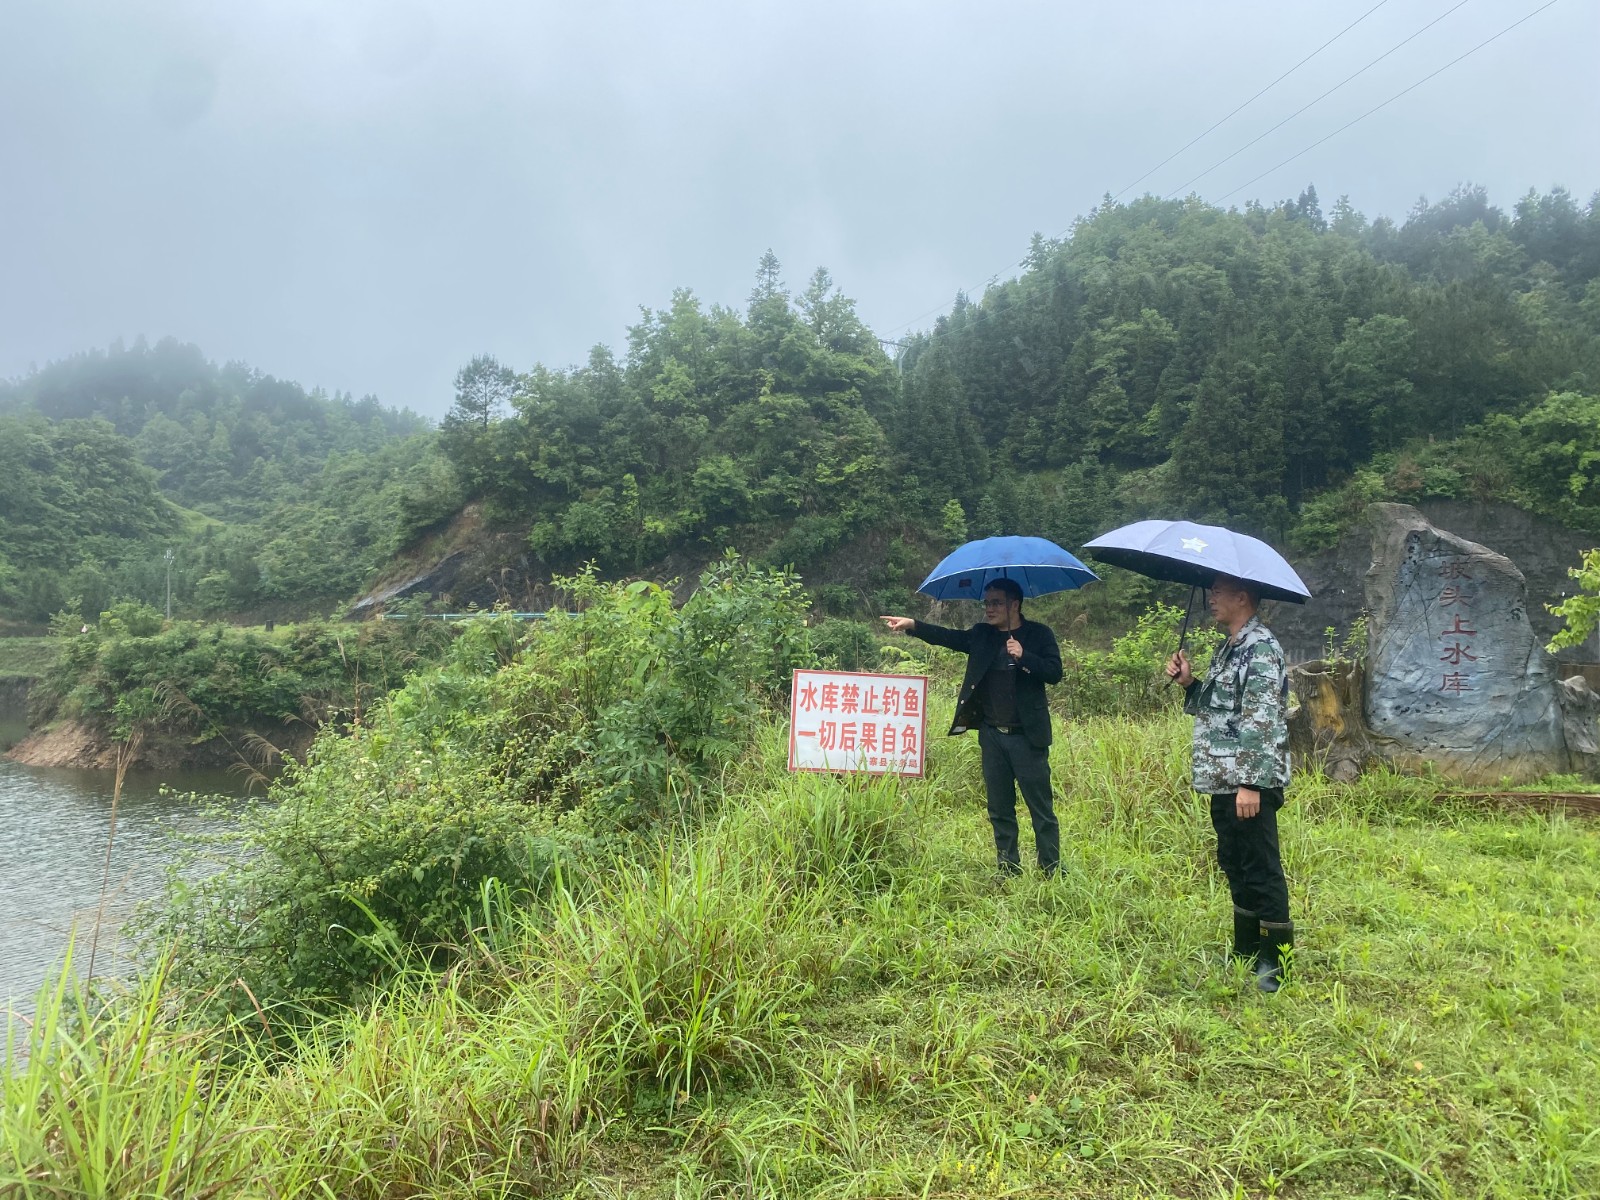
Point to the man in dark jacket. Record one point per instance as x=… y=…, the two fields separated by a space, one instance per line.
x=1009 y=661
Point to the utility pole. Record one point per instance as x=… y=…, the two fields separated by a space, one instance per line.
x=169 y=582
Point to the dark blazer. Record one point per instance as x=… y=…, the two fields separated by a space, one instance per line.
x=1040 y=664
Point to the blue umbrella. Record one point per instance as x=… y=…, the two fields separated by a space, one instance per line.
x=1183 y=552
x=1036 y=564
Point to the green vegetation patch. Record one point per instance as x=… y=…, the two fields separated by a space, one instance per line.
x=526 y=752
x=27 y=657
x=825 y=992
x=131 y=671
x=262 y=493
x=555 y=919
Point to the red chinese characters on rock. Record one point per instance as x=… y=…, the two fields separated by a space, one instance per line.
x=849 y=721
x=1458 y=649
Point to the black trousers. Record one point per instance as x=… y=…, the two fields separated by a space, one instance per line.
x=1247 y=852
x=1011 y=761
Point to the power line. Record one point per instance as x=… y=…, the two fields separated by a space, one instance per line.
x=942 y=304
x=1023 y=261
x=1390 y=100
x=1183 y=186
x=1286 y=120
x=1217 y=125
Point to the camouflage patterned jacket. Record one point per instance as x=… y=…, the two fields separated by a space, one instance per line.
x=1241 y=728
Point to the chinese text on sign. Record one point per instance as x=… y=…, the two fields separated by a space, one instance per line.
x=851 y=721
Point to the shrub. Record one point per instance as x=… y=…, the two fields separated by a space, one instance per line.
x=212 y=677
x=846 y=645
x=525 y=750
x=1129 y=679
x=1325 y=518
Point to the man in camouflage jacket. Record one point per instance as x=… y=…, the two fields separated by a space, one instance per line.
x=1241 y=760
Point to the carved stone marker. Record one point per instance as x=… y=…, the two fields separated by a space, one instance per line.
x=1456 y=676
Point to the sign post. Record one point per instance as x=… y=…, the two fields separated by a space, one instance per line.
x=856 y=721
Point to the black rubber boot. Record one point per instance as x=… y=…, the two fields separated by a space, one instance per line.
x=1246 y=934
x=1277 y=943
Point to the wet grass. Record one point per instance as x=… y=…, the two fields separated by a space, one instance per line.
x=824 y=991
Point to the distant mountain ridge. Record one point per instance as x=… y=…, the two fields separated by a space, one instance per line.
x=224 y=440
x=265 y=493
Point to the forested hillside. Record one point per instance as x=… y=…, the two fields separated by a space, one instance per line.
x=1274 y=367
x=264 y=492
x=1142 y=362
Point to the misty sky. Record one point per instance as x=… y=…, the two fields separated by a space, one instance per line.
x=362 y=194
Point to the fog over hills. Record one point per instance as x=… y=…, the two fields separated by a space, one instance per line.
x=363 y=196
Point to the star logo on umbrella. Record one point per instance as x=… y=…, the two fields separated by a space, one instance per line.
x=1194 y=544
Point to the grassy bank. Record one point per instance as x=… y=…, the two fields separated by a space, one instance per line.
x=27 y=657
x=823 y=992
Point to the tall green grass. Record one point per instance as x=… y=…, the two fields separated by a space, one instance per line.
x=820 y=988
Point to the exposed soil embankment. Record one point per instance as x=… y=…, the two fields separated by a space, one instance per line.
x=80 y=745
x=465 y=565
x=469 y=564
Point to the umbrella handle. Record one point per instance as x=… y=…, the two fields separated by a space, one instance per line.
x=1188 y=607
x=1183 y=631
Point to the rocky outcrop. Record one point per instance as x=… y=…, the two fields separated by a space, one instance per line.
x=473 y=565
x=1456 y=678
x=84 y=746
x=1580 y=724
x=466 y=565
x=1543 y=550
x=1326 y=722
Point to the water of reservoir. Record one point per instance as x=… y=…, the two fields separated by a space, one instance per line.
x=54 y=825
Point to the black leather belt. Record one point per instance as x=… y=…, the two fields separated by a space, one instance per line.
x=1006 y=728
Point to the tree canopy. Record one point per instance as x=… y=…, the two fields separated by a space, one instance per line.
x=1273 y=367
x=266 y=492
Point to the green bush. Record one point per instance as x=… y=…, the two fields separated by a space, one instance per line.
x=1325 y=518
x=807 y=540
x=1129 y=679
x=525 y=750
x=846 y=645
x=210 y=678
x=837 y=599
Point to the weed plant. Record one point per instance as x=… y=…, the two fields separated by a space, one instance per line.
x=816 y=986
x=1127 y=678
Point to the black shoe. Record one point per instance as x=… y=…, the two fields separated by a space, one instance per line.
x=1277 y=944
x=1006 y=873
x=1246 y=934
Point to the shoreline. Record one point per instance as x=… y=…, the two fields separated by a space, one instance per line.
x=80 y=745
